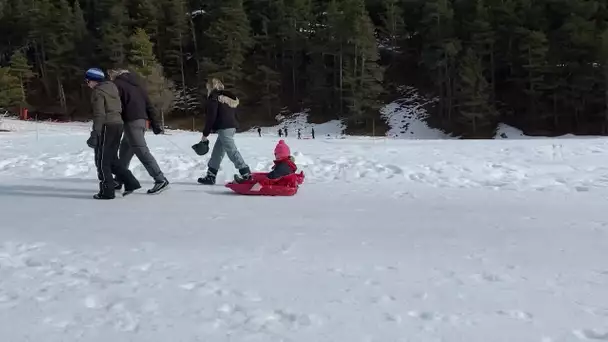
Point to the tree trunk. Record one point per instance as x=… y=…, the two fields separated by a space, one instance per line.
x=61 y=93
x=195 y=42
x=606 y=98
x=293 y=59
x=181 y=65
x=341 y=81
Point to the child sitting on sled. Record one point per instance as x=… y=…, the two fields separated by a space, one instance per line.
x=284 y=163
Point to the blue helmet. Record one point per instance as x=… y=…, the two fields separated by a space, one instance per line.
x=94 y=74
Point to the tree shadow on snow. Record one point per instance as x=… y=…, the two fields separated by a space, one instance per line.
x=41 y=191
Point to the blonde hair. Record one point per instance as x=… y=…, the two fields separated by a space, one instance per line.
x=214 y=84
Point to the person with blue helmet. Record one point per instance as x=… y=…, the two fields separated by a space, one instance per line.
x=106 y=134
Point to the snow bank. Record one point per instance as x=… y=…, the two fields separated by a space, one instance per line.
x=59 y=150
x=504 y=131
x=406 y=117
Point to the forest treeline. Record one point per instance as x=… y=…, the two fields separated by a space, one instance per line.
x=540 y=65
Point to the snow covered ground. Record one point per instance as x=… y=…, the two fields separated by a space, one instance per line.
x=387 y=240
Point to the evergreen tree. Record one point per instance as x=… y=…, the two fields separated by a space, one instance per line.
x=538 y=65
x=174 y=28
x=294 y=20
x=143 y=62
x=473 y=92
x=364 y=75
x=393 y=24
x=603 y=53
x=10 y=90
x=114 y=34
x=440 y=50
x=230 y=37
x=533 y=50
x=145 y=14
x=22 y=70
x=141 y=54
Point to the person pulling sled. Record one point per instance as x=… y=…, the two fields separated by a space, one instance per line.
x=221 y=119
x=106 y=134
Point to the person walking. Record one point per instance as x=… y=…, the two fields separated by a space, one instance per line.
x=106 y=134
x=136 y=110
x=221 y=118
x=260 y=132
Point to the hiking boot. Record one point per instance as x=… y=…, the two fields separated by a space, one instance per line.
x=209 y=179
x=159 y=187
x=130 y=190
x=245 y=175
x=101 y=196
x=106 y=191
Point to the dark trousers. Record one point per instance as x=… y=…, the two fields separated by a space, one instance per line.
x=134 y=143
x=106 y=160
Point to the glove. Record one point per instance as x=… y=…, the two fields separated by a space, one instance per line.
x=93 y=140
x=157 y=129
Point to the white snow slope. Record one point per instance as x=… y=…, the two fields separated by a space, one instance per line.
x=387 y=240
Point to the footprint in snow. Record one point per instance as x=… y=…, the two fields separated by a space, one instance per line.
x=516 y=314
x=424 y=315
x=591 y=334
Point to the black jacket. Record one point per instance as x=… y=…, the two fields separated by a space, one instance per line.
x=282 y=168
x=221 y=111
x=136 y=103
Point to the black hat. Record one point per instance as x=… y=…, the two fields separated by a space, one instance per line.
x=201 y=148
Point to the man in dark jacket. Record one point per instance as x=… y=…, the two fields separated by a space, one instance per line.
x=106 y=134
x=221 y=118
x=136 y=110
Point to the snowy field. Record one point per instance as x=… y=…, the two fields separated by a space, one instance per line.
x=387 y=240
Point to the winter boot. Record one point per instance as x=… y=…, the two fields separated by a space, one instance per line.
x=245 y=175
x=117 y=185
x=106 y=192
x=131 y=183
x=209 y=179
x=159 y=187
x=130 y=190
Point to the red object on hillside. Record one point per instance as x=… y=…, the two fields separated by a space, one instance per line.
x=260 y=185
x=24 y=114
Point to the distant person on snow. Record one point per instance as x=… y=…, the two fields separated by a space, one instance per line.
x=260 y=132
x=284 y=162
x=136 y=110
x=299 y=133
x=221 y=118
x=313 y=133
x=280 y=133
x=106 y=134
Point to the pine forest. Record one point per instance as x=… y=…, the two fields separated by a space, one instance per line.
x=538 y=65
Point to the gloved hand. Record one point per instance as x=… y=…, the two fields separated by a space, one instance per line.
x=157 y=129
x=93 y=140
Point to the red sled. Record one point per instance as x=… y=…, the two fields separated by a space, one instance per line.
x=260 y=185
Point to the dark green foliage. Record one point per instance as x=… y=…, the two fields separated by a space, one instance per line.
x=541 y=65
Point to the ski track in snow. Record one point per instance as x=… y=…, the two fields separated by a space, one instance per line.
x=383 y=243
